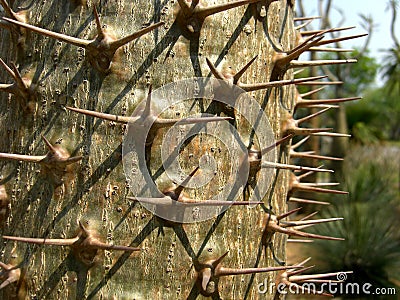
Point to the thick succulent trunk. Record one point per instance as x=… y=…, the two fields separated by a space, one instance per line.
x=94 y=190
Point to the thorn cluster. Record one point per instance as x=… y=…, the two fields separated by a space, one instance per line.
x=256 y=164
x=84 y=245
x=55 y=163
x=296 y=185
x=291 y=126
x=9 y=274
x=273 y=224
x=232 y=78
x=209 y=272
x=147 y=116
x=309 y=154
x=18 y=33
x=100 y=51
x=293 y=279
x=191 y=17
x=284 y=61
x=22 y=87
x=175 y=196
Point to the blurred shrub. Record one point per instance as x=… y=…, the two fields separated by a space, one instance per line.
x=371 y=220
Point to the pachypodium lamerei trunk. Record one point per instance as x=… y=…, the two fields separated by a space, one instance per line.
x=72 y=74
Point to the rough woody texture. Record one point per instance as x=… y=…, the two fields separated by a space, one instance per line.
x=94 y=190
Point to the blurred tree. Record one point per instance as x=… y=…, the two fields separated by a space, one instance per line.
x=376 y=118
x=391 y=63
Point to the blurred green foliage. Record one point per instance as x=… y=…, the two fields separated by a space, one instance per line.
x=362 y=75
x=376 y=117
x=371 y=248
x=391 y=71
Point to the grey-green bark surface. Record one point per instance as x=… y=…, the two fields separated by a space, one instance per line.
x=95 y=189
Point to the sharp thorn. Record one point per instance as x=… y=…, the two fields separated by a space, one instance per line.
x=300 y=19
x=332 y=134
x=8 y=281
x=307 y=188
x=319 y=281
x=58 y=36
x=303 y=25
x=191 y=202
x=302 y=47
x=325 y=49
x=299 y=121
x=312 y=32
x=222 y=271
x=302 y=263
x=299 y=241
x=308 y=131
x=154 y=200
x=187 y=121
x=49 y=145
x=309 y=216
x=20 y=157
x=108 y=117
x=301 y=142
x=7 y=9
x=304 y=102
x=18 y=77
x=335 y=40
x=119 y=43
x=299 y=200
x=72 y=160
x=42 y=241
x=293 y=232
x=239 y=74
x=305 y=174
x=100 y=32
x=321 y=106
x=7 y=68
x=277 y=143
x=178 y=190
x=314 y=63
x=312 y=92
x=297 y=72
x=84 y=231
x=316 y=276
x=7 y=88
x=321 y=183
x=292 y=167
x=208 y=11
x=321 y=83
x=4 y=266
x=260 y=86
x=213 y=70
x=309 y=222
x=103 y=246
x=291 y=212
x=216 y=262
x=295 y=272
